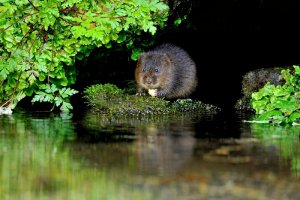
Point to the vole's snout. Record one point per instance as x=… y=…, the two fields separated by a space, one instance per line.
x=148 y=80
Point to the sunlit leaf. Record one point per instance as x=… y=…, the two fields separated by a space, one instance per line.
x=294 y=116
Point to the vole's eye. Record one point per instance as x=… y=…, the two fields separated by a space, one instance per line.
x=156 y=70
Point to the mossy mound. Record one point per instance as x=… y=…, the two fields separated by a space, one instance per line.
x=109 y=99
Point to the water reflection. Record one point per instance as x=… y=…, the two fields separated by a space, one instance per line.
x=36 y=162
x=48 y=156
x=31 y=154
x=160 y=144
x=283 y=138
x=163 y=151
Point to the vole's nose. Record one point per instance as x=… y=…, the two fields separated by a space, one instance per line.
x=148 y=81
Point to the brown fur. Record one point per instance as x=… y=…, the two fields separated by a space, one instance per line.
x=168 y=69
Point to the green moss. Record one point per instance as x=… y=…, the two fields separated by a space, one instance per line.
x=110 y=99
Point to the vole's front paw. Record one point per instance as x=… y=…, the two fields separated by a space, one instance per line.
x=153 y=92
x=140 y=94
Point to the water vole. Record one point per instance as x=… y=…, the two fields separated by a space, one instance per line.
x=166 y=71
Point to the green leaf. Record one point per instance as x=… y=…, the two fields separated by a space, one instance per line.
x=58 y=101
x=42 y=76
x=29 y=91
x=269 y=115
x=294 y=116
x=121 y=38
x=297 y=69
x=286 y=106
x=135 y=53
x=177 y=22
x=66 y=107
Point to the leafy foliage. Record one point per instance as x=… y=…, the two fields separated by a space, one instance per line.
x=281 y=103
x=40 y=40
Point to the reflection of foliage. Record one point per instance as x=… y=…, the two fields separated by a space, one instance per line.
x=109 y=99
x=35 y=165
x=40 y=40
x=58 y=127
x=281 y=103
x=286 y=138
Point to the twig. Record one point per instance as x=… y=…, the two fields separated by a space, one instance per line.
x=17 y=84
x=17 y=22
x=6 y=103
x=70 y=23
x=33 y=5
x=30 y=31
x=52 y=52
x=34 y=41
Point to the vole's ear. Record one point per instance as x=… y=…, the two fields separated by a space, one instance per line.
x=165 y=59
x=140 y=58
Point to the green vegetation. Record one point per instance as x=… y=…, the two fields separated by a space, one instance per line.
x=111 y=100
x=254 y=80
x=40 y=41
x=179 y=20
x=279 y=104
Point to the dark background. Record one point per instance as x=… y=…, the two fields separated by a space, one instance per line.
x=225 y=38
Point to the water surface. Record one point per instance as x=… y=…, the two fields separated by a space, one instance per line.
x=208 y=156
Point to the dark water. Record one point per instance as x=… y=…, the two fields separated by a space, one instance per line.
x=209 y=156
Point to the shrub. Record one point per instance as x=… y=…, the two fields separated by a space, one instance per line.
x=281 y=103
x=40 y=41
